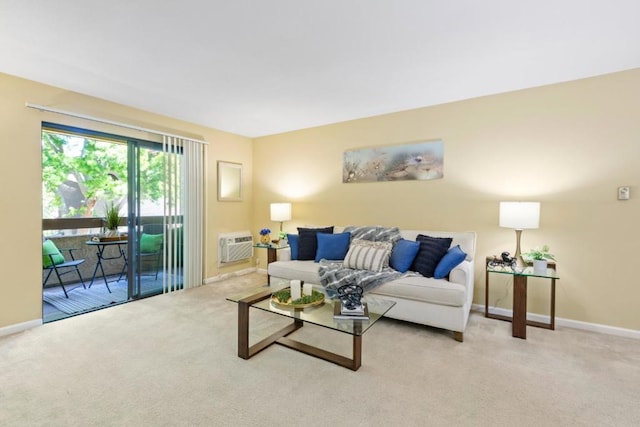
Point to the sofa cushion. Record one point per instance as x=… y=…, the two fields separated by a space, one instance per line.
x=332 y=246
x=306 y=271
x=308 y=243
x=432 y=249
x=294 y=243
x=453 y=257
x=403 y=254
x=150 y=243
x=435 y=291
x=368 y=255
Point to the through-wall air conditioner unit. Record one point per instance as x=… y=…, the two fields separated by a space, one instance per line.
x=235 y=246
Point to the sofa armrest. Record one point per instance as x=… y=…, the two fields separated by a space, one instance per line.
x=463 y=274
x=284 y=254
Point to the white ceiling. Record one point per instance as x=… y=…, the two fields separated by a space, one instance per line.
x=256 y=67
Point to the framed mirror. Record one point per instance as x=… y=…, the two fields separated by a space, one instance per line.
x=229 y=181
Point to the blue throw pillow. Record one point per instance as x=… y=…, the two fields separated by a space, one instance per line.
x=293 y=244
x=332 y=246
x=449 y=261
x=403 y=254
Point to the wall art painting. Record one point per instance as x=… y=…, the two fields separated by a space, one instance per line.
x=417 y=161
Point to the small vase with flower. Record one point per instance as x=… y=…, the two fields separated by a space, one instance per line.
x=265 y=236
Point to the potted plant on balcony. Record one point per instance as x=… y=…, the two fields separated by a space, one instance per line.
x=539 y=257
x=112 y=220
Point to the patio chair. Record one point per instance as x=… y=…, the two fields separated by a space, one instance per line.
x=151 y=244
x=54 y=261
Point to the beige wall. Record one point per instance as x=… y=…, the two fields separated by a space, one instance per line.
x=20 y=191
x=568 y=146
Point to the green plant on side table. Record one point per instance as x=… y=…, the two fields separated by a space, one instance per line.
x=539 y=257
x=539 y=254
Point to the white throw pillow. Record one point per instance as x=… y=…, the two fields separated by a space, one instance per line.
x=368 y=255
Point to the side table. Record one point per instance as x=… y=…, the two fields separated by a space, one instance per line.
x=519 y=319
x=272 y=254
x=101 y=245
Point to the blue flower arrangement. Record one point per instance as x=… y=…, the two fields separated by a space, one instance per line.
x=265 y=231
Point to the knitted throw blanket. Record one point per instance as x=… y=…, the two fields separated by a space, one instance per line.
x=335 y=274
x=375 y=234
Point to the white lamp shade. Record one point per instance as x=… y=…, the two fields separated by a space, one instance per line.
x=520 y=215
x=280 y=211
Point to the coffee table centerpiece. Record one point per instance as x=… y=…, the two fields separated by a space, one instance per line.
x=283 y=298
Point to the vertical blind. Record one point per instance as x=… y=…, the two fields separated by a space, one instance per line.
x=184 y=177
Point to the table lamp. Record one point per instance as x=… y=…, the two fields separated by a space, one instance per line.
x=519 y=216
x=280 y=212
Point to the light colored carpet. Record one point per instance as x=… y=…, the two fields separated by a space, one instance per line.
x=171 y=360
x=81 y=299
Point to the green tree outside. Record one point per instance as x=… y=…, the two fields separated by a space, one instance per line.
x=81 y=174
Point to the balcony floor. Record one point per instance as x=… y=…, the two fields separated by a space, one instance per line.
x=78 y=295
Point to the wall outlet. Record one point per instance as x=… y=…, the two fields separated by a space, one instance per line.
x=624 y=193
x=257 y=262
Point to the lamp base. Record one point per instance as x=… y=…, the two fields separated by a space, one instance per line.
x=518 y=256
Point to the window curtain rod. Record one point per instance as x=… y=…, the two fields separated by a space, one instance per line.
x=109 y=122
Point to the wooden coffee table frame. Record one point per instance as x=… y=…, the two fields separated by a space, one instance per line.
x=246 y=351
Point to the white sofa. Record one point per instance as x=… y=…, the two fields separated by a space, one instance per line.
x=439 y=303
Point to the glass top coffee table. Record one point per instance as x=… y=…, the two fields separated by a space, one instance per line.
x=321 y=315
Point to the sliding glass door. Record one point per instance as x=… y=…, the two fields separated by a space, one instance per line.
x=84 y=173
x=155 y=219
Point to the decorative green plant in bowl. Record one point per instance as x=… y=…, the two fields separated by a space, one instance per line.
x=282 y=295
x=283 y=298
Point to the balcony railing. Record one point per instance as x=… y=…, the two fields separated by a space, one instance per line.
x=82 y=230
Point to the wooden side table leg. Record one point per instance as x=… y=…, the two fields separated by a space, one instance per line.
x=272 y=255
x=552 y=314
x=519 y=324
x=486 y=291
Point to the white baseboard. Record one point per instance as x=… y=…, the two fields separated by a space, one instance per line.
x=569 y=323
x=229 y=275
x=19 y=327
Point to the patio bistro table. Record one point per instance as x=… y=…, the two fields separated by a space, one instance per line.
x=100 y=246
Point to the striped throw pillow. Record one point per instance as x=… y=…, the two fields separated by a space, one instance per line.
x=367 y=255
